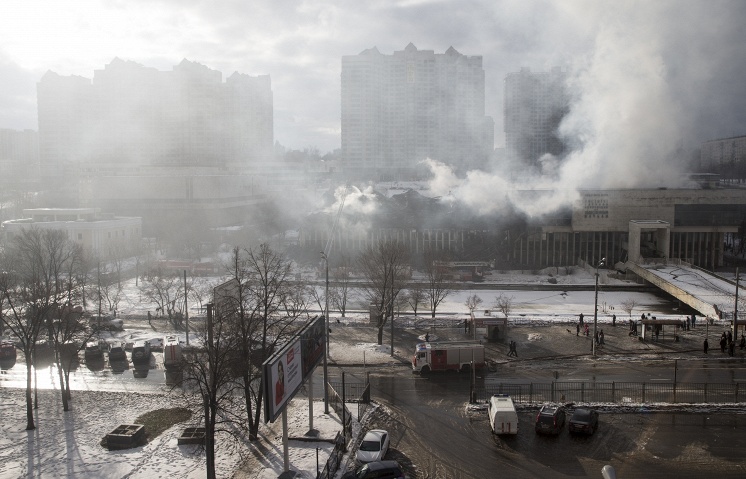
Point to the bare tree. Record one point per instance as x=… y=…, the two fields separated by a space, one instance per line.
x=628 y=305
x=263 y=304
x=384 y=266
x=340 y=293
x=165 y=289
x=504 y=303
x=436 y=288
x=415 y=296
x=69 y=330
x=473 y=302
x=210 y=371
x=31 y=286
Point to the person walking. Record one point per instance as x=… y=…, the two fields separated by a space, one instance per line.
x=577 y=329
x=706 y=346
x=723 y=342
x=601 y=337
x=586 y=331
x=512 y=351
x=581 y=318
x=613 y=320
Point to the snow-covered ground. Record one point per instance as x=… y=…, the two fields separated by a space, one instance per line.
x=67 y=444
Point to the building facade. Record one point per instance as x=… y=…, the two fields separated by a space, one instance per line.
x=535 y=103
x=400 y=109
x=725 y=157
x=134 y=116
x=96 y=232
x=631 y=224
x=19 y=159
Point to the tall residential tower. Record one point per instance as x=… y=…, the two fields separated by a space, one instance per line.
x=400 y=109
x=535 y=103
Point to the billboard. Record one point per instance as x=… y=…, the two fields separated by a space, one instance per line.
x=285 y=371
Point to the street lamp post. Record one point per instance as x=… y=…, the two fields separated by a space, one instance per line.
x=326 y=332
x=595 y=307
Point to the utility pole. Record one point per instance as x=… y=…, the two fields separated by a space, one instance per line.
x=186 y=310
x=735 y=311
x=326 y=334
x=595 y=307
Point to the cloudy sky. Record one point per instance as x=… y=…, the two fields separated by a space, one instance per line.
x=671 y=71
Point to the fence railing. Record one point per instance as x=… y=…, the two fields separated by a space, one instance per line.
x=355 y=392
x=617 y=392
x=335 y=458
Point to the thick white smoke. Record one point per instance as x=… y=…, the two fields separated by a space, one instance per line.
x=634 y=97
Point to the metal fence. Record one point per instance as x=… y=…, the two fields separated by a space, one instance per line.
x=355 y=392
x=335 y=458
x=618 y=392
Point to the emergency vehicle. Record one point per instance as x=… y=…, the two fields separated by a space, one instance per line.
x=447 y=356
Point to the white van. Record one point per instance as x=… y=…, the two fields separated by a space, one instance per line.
x=503 y=418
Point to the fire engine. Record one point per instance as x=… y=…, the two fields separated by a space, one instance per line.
x=447 y=356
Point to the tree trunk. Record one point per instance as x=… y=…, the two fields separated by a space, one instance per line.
x=254 y=427
x=29 y=403
x=380 y=335
x=247 y=395
x=209 y=437
x=65 y=406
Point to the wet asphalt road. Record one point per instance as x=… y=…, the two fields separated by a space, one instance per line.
x=435 y=435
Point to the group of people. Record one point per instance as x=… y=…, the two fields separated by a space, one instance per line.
x=727 y=343
x=512 y=351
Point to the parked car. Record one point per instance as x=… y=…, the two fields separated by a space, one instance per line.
x=141 y=352
x=116 y=352
x=378 y=470
x=583 y=421
x=93 y=351
x=156 y=344
x=374 y=446
x=550 y=420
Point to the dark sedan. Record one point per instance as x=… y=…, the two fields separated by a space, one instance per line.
x=584 y=421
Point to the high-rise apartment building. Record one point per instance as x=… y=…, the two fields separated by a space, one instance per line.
x=535 y=103
x=400 y=109
x=177 y=148
x=130 y=116
x=726 y=157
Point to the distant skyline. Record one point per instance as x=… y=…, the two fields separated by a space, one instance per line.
x=667 y=69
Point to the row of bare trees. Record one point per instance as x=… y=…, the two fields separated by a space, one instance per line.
x=41 y=278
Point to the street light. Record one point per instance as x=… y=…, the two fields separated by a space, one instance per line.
x=595 y=306
x=326 y=332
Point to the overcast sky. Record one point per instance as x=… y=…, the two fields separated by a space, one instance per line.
x=675 y=70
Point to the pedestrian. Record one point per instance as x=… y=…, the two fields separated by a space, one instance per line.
x=723 y=342
x=706 y=346
x=581 y=318
x=731 y=348
x=657 y=331
x=742 y=344
x=601 y=337
x=586 y=331
x=730 y=337
x=577 y=329
x=694 y=318
x=515 y=352
x=688 y=323
x=427 y=337
x=613 y=320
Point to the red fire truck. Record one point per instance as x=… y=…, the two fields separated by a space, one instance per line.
x=447 y=355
